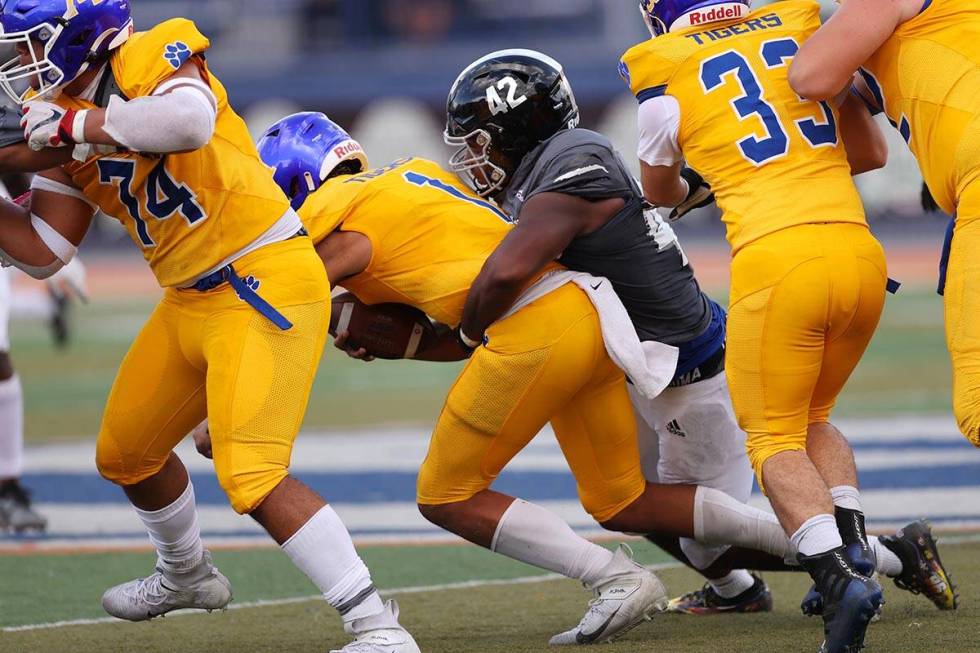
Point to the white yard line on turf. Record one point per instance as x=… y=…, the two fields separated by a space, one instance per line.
x=399 y=591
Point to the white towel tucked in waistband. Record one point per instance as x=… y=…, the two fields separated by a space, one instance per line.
x=649 y=365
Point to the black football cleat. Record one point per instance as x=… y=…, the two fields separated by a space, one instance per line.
x=922 y=570
x=707 y=601
x=850 y=524
x=850 y=600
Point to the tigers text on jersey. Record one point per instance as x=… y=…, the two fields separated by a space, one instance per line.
x=189 y=211
x=773 y=160
x=636 y=251
x=926 y=77
x=430 y=236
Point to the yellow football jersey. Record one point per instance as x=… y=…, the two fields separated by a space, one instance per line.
x=430 y=236
x=773 y=160
x=926 y=77
x=191 y=211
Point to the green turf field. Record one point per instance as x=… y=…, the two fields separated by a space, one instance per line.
x=481 y=618
x=906 y=370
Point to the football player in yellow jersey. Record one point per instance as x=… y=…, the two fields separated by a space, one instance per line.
x=921 y=62
x=242 y=324
x=411 y=233
x=808 y=278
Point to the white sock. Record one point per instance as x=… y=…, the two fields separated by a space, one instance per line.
x=531 y=534
x=11 y=428
x=733 y=584
x=176 y=534
x=322 y=549
x=720 y=519
x=846 y=496
x=888 y=563
x=817 y=535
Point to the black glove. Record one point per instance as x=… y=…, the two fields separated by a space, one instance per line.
x=698 y=195
x=928 y=201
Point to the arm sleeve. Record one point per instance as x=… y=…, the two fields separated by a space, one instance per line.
x=659 y=121
x=181 y=120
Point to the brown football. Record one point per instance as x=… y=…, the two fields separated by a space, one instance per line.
x=391 y=331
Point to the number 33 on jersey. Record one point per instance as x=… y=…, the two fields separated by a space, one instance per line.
x=773 y=159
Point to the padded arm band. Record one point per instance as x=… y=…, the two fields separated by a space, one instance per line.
x=59 y=246
x=180 y=121
x=52 y=186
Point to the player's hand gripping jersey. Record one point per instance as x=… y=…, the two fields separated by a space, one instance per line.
x=926 y=78
x=773 y=160
x=188 y=212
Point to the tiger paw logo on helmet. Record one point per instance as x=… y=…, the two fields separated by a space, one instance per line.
x=177 y=53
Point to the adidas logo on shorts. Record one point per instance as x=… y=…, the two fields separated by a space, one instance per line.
x=674 y=428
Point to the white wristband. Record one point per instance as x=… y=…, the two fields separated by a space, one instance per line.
x=78 y=127
x=469 y=342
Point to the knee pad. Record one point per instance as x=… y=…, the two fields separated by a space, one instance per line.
x=122 y=466
x=247 y=487
x=967 y=412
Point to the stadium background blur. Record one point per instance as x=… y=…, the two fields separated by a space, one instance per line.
x=383 y=68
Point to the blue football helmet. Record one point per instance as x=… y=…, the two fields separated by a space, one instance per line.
x=304 y=149
x=660 y=15
x=74 y=35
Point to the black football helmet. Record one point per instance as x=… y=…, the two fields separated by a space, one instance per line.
x=499 y=109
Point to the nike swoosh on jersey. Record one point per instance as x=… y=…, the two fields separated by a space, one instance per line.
x=582 y=638
x=579 y=172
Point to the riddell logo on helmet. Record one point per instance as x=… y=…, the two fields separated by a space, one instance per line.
x=717 y=13
x=347 y=148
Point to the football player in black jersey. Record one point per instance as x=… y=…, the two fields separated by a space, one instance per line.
x=513 y=117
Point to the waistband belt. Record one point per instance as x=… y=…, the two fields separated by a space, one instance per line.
x=245 y=291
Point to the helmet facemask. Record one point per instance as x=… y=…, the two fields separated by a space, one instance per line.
x=41 y=74
x=471 y=161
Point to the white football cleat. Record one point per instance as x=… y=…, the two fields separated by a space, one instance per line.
x=380 y=633
x=628 y=595
x=145 y=598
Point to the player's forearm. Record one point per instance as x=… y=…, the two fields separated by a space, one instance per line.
x=20 y=158
x=827 y=60
x=866 y=146
x=19 y=241
x=663 y=185
x=444 y=350
x=491 y=295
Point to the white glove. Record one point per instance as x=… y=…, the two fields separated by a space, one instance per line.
x=48 y=125
x=70 y=281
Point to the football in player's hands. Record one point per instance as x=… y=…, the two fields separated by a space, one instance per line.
x=389 y=331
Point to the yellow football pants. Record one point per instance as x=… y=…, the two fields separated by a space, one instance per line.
x=962 y=308
x=805 y=302
x=545 y=363
x=211 y=354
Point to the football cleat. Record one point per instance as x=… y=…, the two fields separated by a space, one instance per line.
x=922 y=570
x=628 y=595
x=145 y=598
x=379 y=633
x=707 y=601
x=850 y=600
x=16 y=512
x=862 y=561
